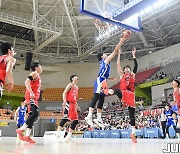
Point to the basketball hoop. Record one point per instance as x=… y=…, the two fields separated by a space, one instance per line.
x=102 y=26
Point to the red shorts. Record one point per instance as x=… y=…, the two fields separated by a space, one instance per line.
x=128 y=98
x=70 y=112
x=3 y=76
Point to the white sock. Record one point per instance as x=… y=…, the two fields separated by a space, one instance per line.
x=90 y=114
x=167 y=136
x=133 y=130
x=99 y=115
x=28 y=132
x=177 y=135
x=57 y=132
x=23 y=127
x=69 y=134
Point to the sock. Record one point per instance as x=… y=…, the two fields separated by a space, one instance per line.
x=133 y=130
x=23 y=127
x=28 y=132
x=90 y=114
x=167 y=136
x=57 y=132
x=99 y=115
x=69 y=134
x=177 y=135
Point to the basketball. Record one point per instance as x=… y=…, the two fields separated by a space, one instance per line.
x=126 y=34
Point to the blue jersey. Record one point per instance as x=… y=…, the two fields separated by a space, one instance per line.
x=22 y=112
x=104 y=70
x=168 y=113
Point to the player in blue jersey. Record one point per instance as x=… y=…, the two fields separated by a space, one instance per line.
x=103 y=75
x=171 y=120
x=20 y=114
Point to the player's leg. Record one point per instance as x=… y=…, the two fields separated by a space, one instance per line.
x=71 y=129
x=30 y=121
x=99 y=120
x=1 y=89
x=132 y=123
x=18 y=123
x=168 y=124
x=118 y=93
x=97 y=89
x=60 y=130
x=163 y=123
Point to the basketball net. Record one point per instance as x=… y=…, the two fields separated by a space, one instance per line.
x=102 y=26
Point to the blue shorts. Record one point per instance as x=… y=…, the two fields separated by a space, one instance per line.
x=20 y=121
x=170 y=122
x=98 y=84
x=175 y=108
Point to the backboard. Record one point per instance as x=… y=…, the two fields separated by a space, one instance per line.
x=123 y=13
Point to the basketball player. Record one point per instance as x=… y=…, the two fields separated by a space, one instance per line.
x=126 y=90
x=6 y=65
x=33 y=85
x=171 y=120
x=70 y=108
x=176 y=97
x=20 y=114
x=103 y=76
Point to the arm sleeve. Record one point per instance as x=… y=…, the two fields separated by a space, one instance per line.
x=135 y=66
x=30 y=78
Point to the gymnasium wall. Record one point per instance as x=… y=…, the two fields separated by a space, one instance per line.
x=163 y=56
x=58 y=75
x=160 y=91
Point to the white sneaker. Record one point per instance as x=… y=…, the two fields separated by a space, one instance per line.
x=89 y=121
x=99 y=122
x=61 y=136
x=67 y=139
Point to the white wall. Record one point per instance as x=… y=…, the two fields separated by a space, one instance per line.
x=162 y=56
x=58 y=75
x=158 y=92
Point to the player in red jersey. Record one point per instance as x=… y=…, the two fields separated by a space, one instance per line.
x=126 y=90
x=70 y=108
x=33 y=85
x=176 y=94
x=176 y=102
x=6 y=65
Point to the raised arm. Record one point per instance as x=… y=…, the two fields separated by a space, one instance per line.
x=119 y=69
x=135 y=61
x=116 y=50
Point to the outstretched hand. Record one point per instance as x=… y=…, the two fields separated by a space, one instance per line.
x=134 y=52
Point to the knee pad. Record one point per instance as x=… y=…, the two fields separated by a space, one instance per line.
x=94 y=100
x=132 y=121
x=118 y=93
x=73 y=125
x=63 y=121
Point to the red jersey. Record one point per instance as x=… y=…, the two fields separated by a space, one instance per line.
x=72 y=94
x=3 y=66
x=176 y=96
x=35 y=86
x=127 y=82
